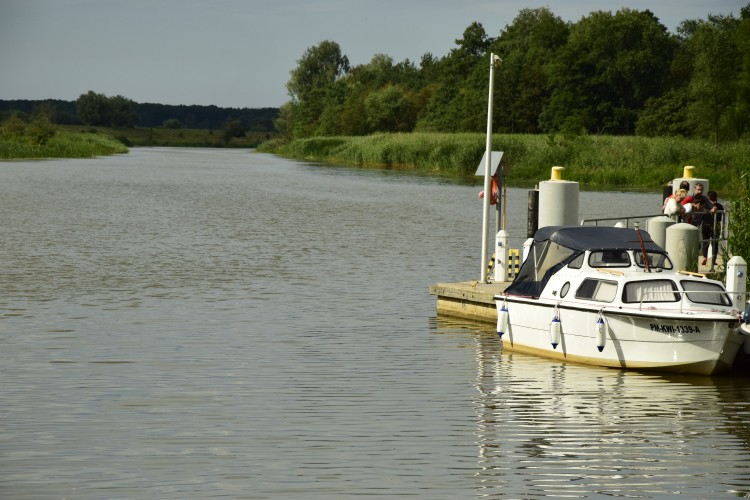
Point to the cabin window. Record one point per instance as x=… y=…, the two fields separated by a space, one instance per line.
x=650 y=291
x=702 y=292
x=599 y=290
x=576 y=263
x=564 y=289
x=609 y=258
x=655 y=260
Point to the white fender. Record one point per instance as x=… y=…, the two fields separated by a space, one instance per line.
x=601 y=337
x=502 y=320
x=555 y=328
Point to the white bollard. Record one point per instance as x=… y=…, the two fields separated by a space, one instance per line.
x=501 y=255
x=737 y=280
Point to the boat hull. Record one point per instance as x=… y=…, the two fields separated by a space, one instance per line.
x=699 y=344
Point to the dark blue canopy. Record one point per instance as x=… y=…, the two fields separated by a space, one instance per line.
x=595 y=238
x=555 y=246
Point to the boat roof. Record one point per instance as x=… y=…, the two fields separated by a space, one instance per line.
x=544 y=261
x=596 y=238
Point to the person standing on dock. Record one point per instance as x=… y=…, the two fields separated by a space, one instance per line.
x=715 y=220
x=701 y=218
x=698 y=194
x=683 y=185
x=673 y=206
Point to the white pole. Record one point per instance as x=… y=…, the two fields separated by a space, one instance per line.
x=487 y=174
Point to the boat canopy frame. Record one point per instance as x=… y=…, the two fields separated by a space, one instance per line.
x=554 y=247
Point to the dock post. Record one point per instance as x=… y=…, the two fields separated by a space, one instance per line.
x=737 y=280
x=501 y=255
x=532 y=217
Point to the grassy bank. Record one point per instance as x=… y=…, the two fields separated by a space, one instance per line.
x=61 y=145
x=597 y=162
x=172 y=137
x=69 y=141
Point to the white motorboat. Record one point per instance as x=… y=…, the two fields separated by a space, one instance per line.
x=611 y=297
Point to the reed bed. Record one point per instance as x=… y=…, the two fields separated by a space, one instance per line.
x=597 y=162
x=62 y=145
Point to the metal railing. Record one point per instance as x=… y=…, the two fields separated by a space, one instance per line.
x=720 y=236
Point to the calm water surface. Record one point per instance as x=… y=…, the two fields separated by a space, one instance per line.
x=221 y=324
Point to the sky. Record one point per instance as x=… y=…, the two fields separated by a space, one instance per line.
x=239 y=53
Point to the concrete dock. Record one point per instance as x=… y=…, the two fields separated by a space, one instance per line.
x=468 y=299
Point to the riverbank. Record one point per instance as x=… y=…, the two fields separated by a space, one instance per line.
x=174 y=137
x=75 y=141
x=61 y=145
x=597 y=162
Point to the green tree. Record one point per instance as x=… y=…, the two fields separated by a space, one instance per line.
x=232 y=128
x=13 y=127
x=329 y=122
x=122 y=112
x=526 y=47
x=389 y=110
x=738 y=240
x=667 y=115
x=93 y=108
x=284 y=122
x=310 y=82
x=740 y=114
x=610 y=66
x=41 y=130
x=173 y=123
x=361 y=98
x=459 y=101
x=714 y=84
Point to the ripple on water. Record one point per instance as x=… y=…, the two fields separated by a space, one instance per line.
x=202 y=324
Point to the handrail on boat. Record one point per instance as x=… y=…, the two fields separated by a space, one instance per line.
x=610 y=271
x=690 y=273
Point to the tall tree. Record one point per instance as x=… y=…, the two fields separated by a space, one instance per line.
x=526 y=47
x=316 y=72
x=611 y=65
x=93 y=108
x=461 y=92
x=122 y=112
x=741 y=114
x=717 y=64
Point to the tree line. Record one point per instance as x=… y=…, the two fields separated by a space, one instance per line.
x=615 y=74
x=96 y=109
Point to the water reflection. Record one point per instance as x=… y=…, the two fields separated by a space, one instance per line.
x=546 y=428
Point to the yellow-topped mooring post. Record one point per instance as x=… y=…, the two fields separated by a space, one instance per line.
x=558 y=201
x=557 y=173
x=687 y=171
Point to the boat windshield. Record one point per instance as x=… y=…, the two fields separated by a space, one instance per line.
x=702 y=292
x=609 y=258
x=655 y=260
x=543 y=261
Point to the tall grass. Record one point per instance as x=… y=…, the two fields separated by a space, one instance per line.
x=600 y=162
x=173 y=137
x=61 y=145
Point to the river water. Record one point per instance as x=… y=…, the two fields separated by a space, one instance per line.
x=192 y=324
